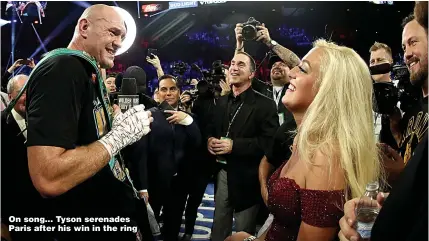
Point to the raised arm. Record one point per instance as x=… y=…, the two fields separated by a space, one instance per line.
x=290 y=58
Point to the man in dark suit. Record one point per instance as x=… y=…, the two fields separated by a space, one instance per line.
x=167 y=151
x=19 y=197
x=244 y=124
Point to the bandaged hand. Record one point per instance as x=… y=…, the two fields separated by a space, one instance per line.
x=127 y=128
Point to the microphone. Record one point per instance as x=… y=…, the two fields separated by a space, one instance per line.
x=128 y=96
x=139 y=75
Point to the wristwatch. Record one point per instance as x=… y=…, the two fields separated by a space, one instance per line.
x=272 y=43
x=251 y=238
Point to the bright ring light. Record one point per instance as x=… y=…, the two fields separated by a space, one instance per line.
x=131 y=30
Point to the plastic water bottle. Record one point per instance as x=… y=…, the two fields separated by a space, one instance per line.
x=367 y=211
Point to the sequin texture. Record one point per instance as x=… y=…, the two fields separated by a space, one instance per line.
x=290 y=204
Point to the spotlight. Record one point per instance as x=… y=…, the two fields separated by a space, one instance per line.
x=36 y=22
x=131 y=30
x=3 y=22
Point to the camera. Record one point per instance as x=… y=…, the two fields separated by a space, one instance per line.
x=179 y=68
x=209 y=84
x=250 y=31
x=386 y=95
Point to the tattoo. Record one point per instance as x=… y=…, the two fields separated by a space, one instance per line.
x=287 y=55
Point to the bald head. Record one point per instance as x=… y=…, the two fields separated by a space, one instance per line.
x=16 y=83
x=99 y=32
x=99 y=12
x=13 y=88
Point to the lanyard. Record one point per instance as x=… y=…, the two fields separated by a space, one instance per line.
x=233 y=118
x=277 y=96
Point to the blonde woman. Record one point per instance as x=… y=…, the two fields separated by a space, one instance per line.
x=334 y=153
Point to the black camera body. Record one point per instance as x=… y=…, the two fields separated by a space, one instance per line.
x=250 y=31
x=209 y=84
x=179 y=68
x=386 y=95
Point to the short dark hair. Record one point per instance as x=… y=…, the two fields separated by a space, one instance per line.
x=407 y=19
x=167 y=76
x=421 y=13
x=252 y=61
x=112 y=75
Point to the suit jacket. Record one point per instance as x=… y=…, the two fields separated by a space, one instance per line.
x=162 y=153
x=19 y=196
x=252 y=133
x=267 y=90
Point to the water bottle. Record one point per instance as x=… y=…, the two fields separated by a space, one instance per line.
x=367 y=211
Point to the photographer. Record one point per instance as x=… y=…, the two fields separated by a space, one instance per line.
x=20 y=62
x=380 y=54
x=155 y=62
x=263 y=35
x=188 y=96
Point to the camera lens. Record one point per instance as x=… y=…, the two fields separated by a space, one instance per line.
x=249 y=32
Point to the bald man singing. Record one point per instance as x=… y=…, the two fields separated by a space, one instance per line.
x=74 y=137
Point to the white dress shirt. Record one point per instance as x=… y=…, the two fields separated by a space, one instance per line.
x=21 y=122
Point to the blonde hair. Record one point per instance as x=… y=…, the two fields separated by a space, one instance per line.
x=376 y=46
x=339 y=120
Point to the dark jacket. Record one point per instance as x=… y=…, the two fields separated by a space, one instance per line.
x=19 y=197
x=162 y=153
x=252 y=135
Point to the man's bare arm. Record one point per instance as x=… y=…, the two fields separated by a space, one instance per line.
x=239 y=46
x=290 y=58
x=55 y=170
x=265 y=170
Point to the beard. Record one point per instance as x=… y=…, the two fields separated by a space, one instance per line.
x=279 y=79
x=418 y=78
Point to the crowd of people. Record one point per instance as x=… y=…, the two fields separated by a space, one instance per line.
x=301 y=149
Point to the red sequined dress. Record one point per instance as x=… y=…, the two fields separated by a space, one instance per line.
x=291 y=204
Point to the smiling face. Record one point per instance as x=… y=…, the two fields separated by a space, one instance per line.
x=279 y=73
x=415 y=46
x=240 y=70
x=301 y=90
x=102 y=31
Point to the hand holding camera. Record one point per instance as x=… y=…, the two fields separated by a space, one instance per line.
x=20 y=62
x=154 y=61
x=263 y=35
x=238 y=35
x=185 y=97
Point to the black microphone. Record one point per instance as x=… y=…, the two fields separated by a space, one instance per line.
x=128 y=96
x=139 y=75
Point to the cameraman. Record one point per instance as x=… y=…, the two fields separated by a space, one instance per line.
x=20 y=62
x=381 y=53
